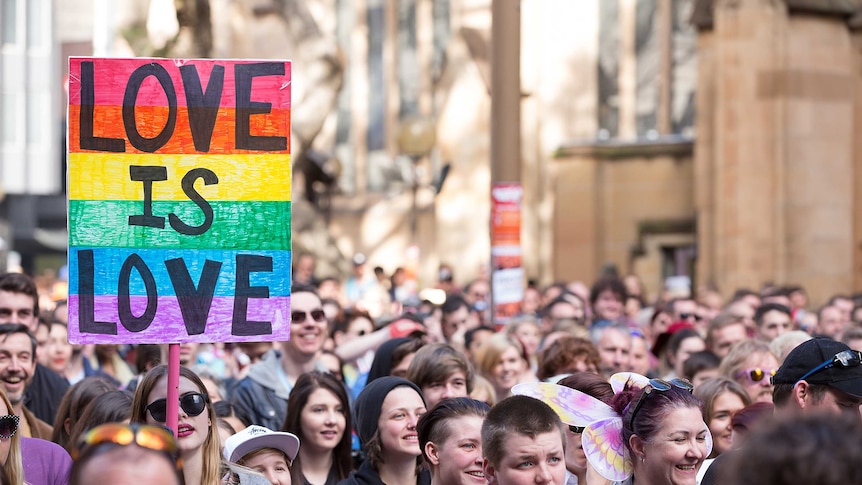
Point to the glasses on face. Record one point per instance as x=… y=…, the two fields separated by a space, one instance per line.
x=8 y=426
x=660 y=385
x=756 y=375
x=686 y=316
x=299 y=317
x=192 y=403
x=843 y=359
x=146 y=436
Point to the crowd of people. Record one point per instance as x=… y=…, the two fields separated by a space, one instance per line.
x=380 y=383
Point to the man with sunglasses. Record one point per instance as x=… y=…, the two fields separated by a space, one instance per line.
x=818 y=376
x=264 y=392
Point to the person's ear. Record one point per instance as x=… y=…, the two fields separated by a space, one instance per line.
x=637 y=446
x=490 y=472
x=801 y=392
x=433 y=453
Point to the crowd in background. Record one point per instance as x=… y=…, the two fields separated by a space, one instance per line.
x=370 y=355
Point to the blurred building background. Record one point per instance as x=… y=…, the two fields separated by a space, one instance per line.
x=708 y=138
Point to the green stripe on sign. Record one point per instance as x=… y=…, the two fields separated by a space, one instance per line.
x=236 y=225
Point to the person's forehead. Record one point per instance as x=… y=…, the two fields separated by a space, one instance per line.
x=521 y=444
x=16 y=301
x=761 y=359
x=16 y=342
x=160 y=390
x=305 y=301
x=776 y=316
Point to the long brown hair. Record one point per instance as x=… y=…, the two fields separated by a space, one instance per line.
x=211 y=446
x=302 y=390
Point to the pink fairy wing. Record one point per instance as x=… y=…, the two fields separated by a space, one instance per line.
x=573 y=407
x=619 y=380
x=603 y=445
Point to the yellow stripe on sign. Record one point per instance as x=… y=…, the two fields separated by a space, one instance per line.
x=244 y=177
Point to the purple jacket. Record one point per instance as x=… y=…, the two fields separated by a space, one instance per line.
x=45 y=463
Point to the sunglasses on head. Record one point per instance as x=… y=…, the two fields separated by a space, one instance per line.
x=146 y=436
x=8 y=426
x=660 y=385
x=299 y=317
x=844 y=359
x=755 y=375
x=192 y=403
x=577 y=429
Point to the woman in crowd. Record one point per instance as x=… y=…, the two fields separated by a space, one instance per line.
x=73 y=404
x=721 y=398
x=450 y=437
x=318 y=412
x=680 y=346
x=567 y=355
x=751 y=363
x=197 y=442
x=10 y=444
x=502 y=361
x=111 y=407
x=386 y=413
x=58 y=350
x=591 y=384
x=526 y=330
x=663 y=431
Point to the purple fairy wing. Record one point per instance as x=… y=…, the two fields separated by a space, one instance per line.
x=618 y=381
x=605 y=450
x=573 y=407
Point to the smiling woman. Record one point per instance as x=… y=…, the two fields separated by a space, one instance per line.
x=386 y=413
x=450 y=436
x=663 y=432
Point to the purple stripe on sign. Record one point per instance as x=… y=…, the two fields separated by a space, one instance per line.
x=168 y=326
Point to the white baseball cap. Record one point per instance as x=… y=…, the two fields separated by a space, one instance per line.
x=257 y=437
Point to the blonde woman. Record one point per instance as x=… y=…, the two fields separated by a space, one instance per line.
x=10 y=444
x=502 y=361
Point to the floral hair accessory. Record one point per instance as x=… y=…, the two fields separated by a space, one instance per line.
x=602 y=438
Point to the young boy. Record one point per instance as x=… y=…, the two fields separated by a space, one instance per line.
x=523 y=444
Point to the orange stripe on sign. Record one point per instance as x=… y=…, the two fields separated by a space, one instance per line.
x=151 y=120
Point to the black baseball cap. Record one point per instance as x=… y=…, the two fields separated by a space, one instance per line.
x=812 y=353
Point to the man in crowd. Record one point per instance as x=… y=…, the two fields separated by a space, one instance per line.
x=772 y=320
x=614 y=343
x=19 y=303
x=263 y=393
x=723 y=332
x=17 y=364
x=607 y=298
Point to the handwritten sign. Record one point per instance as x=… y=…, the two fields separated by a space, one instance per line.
x=179 y=200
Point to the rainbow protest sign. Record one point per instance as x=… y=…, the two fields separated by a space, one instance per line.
x=179 y=200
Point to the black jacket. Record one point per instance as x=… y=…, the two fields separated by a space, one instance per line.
x=44 y=393
x=366 y=475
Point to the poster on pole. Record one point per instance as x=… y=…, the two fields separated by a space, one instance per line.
x=179 y=200
x=507 y=278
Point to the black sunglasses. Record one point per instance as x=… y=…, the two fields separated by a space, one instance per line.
x=8 y=426
x=843 y=359
x=577 y=429
x=192 y=403
x=686 y=316
x=299 y=317
x=661 y=386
